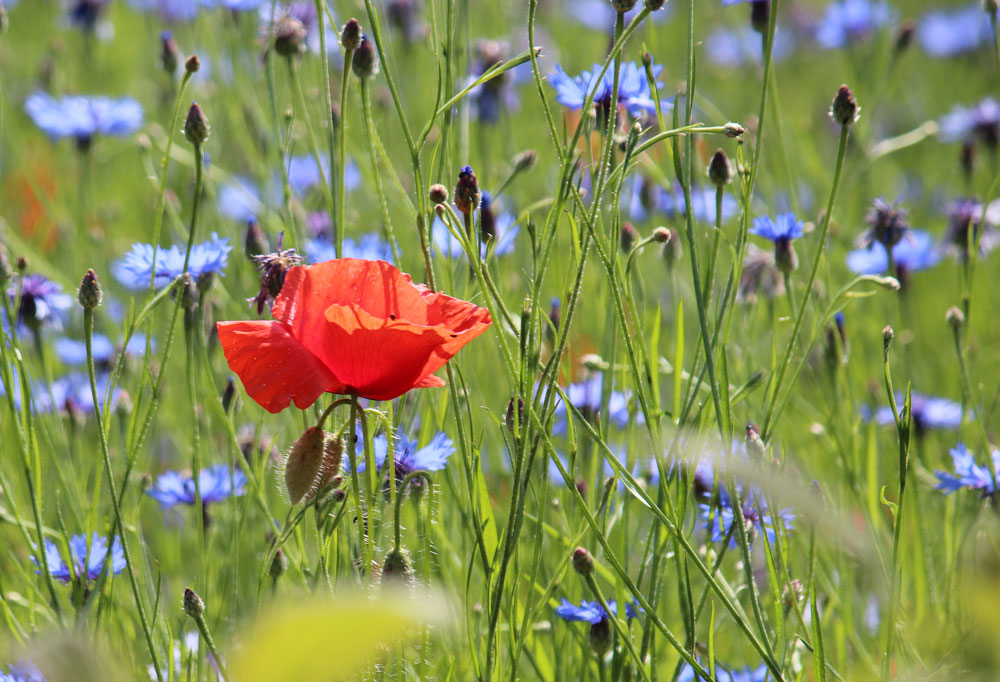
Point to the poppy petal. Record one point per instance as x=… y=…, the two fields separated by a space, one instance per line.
x=275 y=368
x=430 y=381
x=377 y=358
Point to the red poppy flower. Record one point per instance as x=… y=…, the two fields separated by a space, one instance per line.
x=349 y=326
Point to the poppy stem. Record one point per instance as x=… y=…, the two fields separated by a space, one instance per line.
x=364 y=542
x=419 y=473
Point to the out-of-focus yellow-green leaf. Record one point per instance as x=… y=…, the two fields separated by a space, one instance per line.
x=331 y=639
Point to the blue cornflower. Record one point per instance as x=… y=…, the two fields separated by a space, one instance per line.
x=943 y=33
x=367 y=247
x=916 y=251
x=592 y=612
x=633 y=89
x=86 y=559
x=136 y=268
x=171 y=10
x=239 y=200
x=755 y=513
x=980 y=122
x=82 y=117
x=303 y=173
x=85 y=13
x=722 y=674
x=966 y=214
x=487 y=100
x=851 y=21
x=927 y=412
x=648 y=197
x=21 y=672
x=72 y=393
x=74 y=352
x=732 y=48
x=968 y=474
x=785 y=227
x=586 y=397
x=43 y=302
x=432 y=457
x=216 y=483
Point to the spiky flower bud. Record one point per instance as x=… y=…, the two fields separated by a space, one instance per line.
x=661 y=235
x=845 y=109
x=525 y=161
x=719 y=170
x=196 y=128
x=350 y=35
x=583 y=563
x=170 y=55
x=194 y=606
x=304 y=463
x=290 y=37
x=467 y=195
x=192 y=64
x=629 y=236
x=90 y=291
x=954 y=317
x=255 y=243
x=397 y=568
x=365 y=62
x=438 y=194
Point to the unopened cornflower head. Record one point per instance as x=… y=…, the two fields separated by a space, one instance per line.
x=196 y=128
x=467 y=194
x=365 y=61
x=845 y=109
x=887 y=223
x=760 y=13
x=289 y=37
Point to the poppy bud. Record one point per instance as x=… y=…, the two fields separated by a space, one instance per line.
x=438 y=194
x=397 y=569
x=170 y=56
x=279 y=564
x=196 y=128
x=623 y=6
x=304 y=463
x=954 y=318
x=785 y=257
x=90 y=291
x=887 y=336
x=719 y=170
x=628 y=237
x=845 y=109
x=333 y=454
x=228 y=394
x=194 y=606
x=525 y=161
x=600 y=636
x=192 y=64
x=583 y=563
x=760 y=15
x=661 y=235
x=365 y=62
x=350 y=35
x=290 y=37
x=733 y=130
x=467 y=196
x=754 y=444
x=255 y=243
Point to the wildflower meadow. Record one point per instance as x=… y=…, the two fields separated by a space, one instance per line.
x=460 y=340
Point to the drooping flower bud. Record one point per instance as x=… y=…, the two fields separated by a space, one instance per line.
x=196 y=128
x=661 y=235
x=290 y=37
x=304 y=463
x=845 y=109
x=467 y=195
x=525 y=161
x=188 y=291
x=350 y=35
x=90 y=294
x=397 y=569
x=333 y=455
x=365 y=62
x=438 y=194
x=583 y=563
x=194 y=606
x=170 y=55
x=719 y=170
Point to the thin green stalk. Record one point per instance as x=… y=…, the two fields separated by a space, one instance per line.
x=370 y=134
x=293 y=74
x=345 y=81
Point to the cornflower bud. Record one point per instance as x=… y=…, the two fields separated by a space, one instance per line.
x=623 y=6
x=661 y=235
x=350 y=35
x=954 y=317
x=194 y=606
x=719 y=170
x=192 y=64
x=467 y=195
x=196 y=128
x=170 y=56
x=255 y=243
x=90 y=291
x=845 y=109
x=290 y=37
x=525 y=161
x=365 y=62
x=583 y=562
x=438 y=194
x=629 y=236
